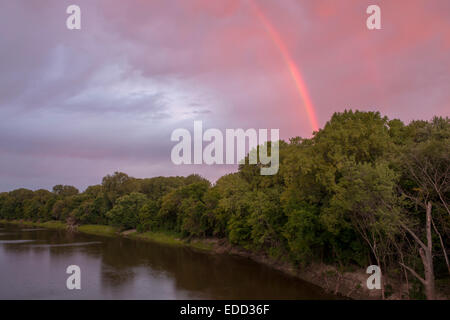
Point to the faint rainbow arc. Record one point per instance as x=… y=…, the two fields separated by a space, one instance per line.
x=292 y=66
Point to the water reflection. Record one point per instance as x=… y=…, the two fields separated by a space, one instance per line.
x=15 y=241
x=75 y=244
x=33 y=264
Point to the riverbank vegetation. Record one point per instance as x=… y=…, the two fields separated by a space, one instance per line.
x=363 y=190
x=27 y=223
x=98 y=229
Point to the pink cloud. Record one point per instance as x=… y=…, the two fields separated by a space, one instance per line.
x=112 y=93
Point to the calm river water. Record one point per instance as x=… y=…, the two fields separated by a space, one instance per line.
x=33 y=264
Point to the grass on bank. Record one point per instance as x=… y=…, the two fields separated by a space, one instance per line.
x=98 y=229
x=88 y=228
x=163 y=237
x=157 y=236
x=170 y=238
x=48 y=224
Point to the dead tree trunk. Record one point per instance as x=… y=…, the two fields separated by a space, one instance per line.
x=426 y=255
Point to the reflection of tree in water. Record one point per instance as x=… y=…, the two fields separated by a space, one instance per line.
x=49 y=241
x=225 y=277
x=205 y=275
x=13 y=233
x=125 y=263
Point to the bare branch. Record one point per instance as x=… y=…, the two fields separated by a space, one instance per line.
x=442 y=245
x=413 y=235
x=415 y=274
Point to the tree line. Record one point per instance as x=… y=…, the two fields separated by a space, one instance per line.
x=363 y=190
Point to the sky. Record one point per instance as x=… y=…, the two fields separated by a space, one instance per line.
x=76 y=105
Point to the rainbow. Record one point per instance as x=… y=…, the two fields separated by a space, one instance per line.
x=293 y=68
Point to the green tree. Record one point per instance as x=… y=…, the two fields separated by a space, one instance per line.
x=148 y=216
x=125 y=213
x=65 y=191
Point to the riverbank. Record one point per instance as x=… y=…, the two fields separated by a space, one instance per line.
x=169 y=239
x=109 y=231
x=349 y=284
x=49 y=224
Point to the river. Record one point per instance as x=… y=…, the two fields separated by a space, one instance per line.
x=33 y=264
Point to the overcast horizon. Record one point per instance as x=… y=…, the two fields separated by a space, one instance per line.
x=76 y=105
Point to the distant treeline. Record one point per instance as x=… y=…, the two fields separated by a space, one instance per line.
x=363 y=190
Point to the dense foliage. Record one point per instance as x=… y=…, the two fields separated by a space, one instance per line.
x=353 y=194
